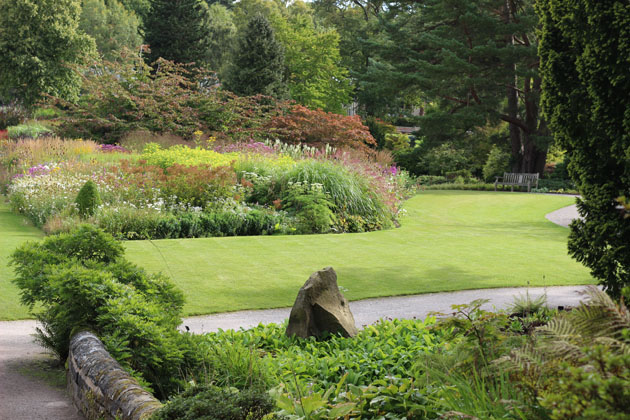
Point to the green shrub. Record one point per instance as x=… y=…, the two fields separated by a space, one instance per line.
x=443 y=159
x=557 y=184
x=45 y=113
x=12 y=115
x=88 y=199
x=29 y=130
x=498 y=162
x=81 y=280
x=311 y=206
x=209 y=402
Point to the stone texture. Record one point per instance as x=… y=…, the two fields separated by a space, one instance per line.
x=100 y=387
x=320 y=307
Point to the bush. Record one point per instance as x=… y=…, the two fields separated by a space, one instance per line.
x=12 y=115
x=318 y=128
x=209 y=402
x=88 y=199
x=81 y=280
x=443 y=159
x=311 y=206
x=498 y=162
x=379 y=129
x=28 y=131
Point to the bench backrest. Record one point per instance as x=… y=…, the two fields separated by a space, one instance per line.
x=524 y=179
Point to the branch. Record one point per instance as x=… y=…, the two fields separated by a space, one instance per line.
x=520 y=124
x=450 y=98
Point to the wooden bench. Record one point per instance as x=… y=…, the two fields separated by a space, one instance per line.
x=519 y=180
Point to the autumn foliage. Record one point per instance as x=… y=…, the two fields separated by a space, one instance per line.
x=318 y=128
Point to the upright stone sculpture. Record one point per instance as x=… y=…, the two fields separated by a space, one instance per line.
x=320 y=307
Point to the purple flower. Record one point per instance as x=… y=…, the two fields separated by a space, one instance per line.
x=113 y=148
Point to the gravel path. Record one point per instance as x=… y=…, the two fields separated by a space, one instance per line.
x=368 y=311
x=563 y=216
x=30 y=388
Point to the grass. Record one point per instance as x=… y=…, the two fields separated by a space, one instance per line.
x=14 y=230
x=450 y=240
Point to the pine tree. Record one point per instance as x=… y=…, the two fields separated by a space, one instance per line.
x=473 y=62
x=258 y=64
x=584 y=58
x=178 y=30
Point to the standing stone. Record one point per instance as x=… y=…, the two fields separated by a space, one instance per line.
x=320 y=307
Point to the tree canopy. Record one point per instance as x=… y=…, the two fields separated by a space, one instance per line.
x=40 y=41
x=111 y=25
x=178 y=30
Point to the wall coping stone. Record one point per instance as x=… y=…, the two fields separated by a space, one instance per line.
x=100 y=388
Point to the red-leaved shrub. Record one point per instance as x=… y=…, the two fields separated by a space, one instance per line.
x=318 y=128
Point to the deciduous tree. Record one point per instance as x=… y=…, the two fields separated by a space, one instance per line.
x=40 y=41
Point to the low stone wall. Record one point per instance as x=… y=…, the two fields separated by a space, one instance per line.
x=100 y=387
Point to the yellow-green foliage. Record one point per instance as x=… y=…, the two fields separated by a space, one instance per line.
x=153 y=154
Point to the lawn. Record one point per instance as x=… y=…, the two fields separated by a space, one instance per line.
x=14 y=229
x=449 y=240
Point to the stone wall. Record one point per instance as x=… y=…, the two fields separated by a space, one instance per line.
x=100 y=387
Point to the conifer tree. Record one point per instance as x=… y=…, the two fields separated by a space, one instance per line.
x=178 y=30
x=258 y=64
x=585 y=61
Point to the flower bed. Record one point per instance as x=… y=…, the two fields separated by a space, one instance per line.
x=181 y=192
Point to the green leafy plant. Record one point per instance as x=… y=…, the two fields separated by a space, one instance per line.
x=28 y=131
x=311 y=206
x=209 y=402
x=498 y=162
x=88 y=199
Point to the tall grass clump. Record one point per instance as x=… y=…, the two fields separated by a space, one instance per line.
x=347 y=189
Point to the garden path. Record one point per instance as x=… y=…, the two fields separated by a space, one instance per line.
x=563 y=216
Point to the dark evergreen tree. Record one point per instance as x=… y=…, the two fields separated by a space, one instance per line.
x=473 y=62
x=585 y=65
x=258 y=63
x=178 y=30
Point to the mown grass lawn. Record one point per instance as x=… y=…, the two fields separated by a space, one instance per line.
x=449 y=240
x=14 y=230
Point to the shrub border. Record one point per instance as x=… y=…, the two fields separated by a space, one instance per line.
x=100 y=388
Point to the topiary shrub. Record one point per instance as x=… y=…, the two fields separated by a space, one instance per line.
x=209 y=402
x=88 y=199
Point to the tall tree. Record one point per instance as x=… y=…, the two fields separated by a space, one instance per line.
x=314 y=73
x=585 y=62
x=474 y=62
x=222 y=37
x=178 y=30
x=40 y=40
x=357 y=22
x=258 y=64
x=111 y=25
